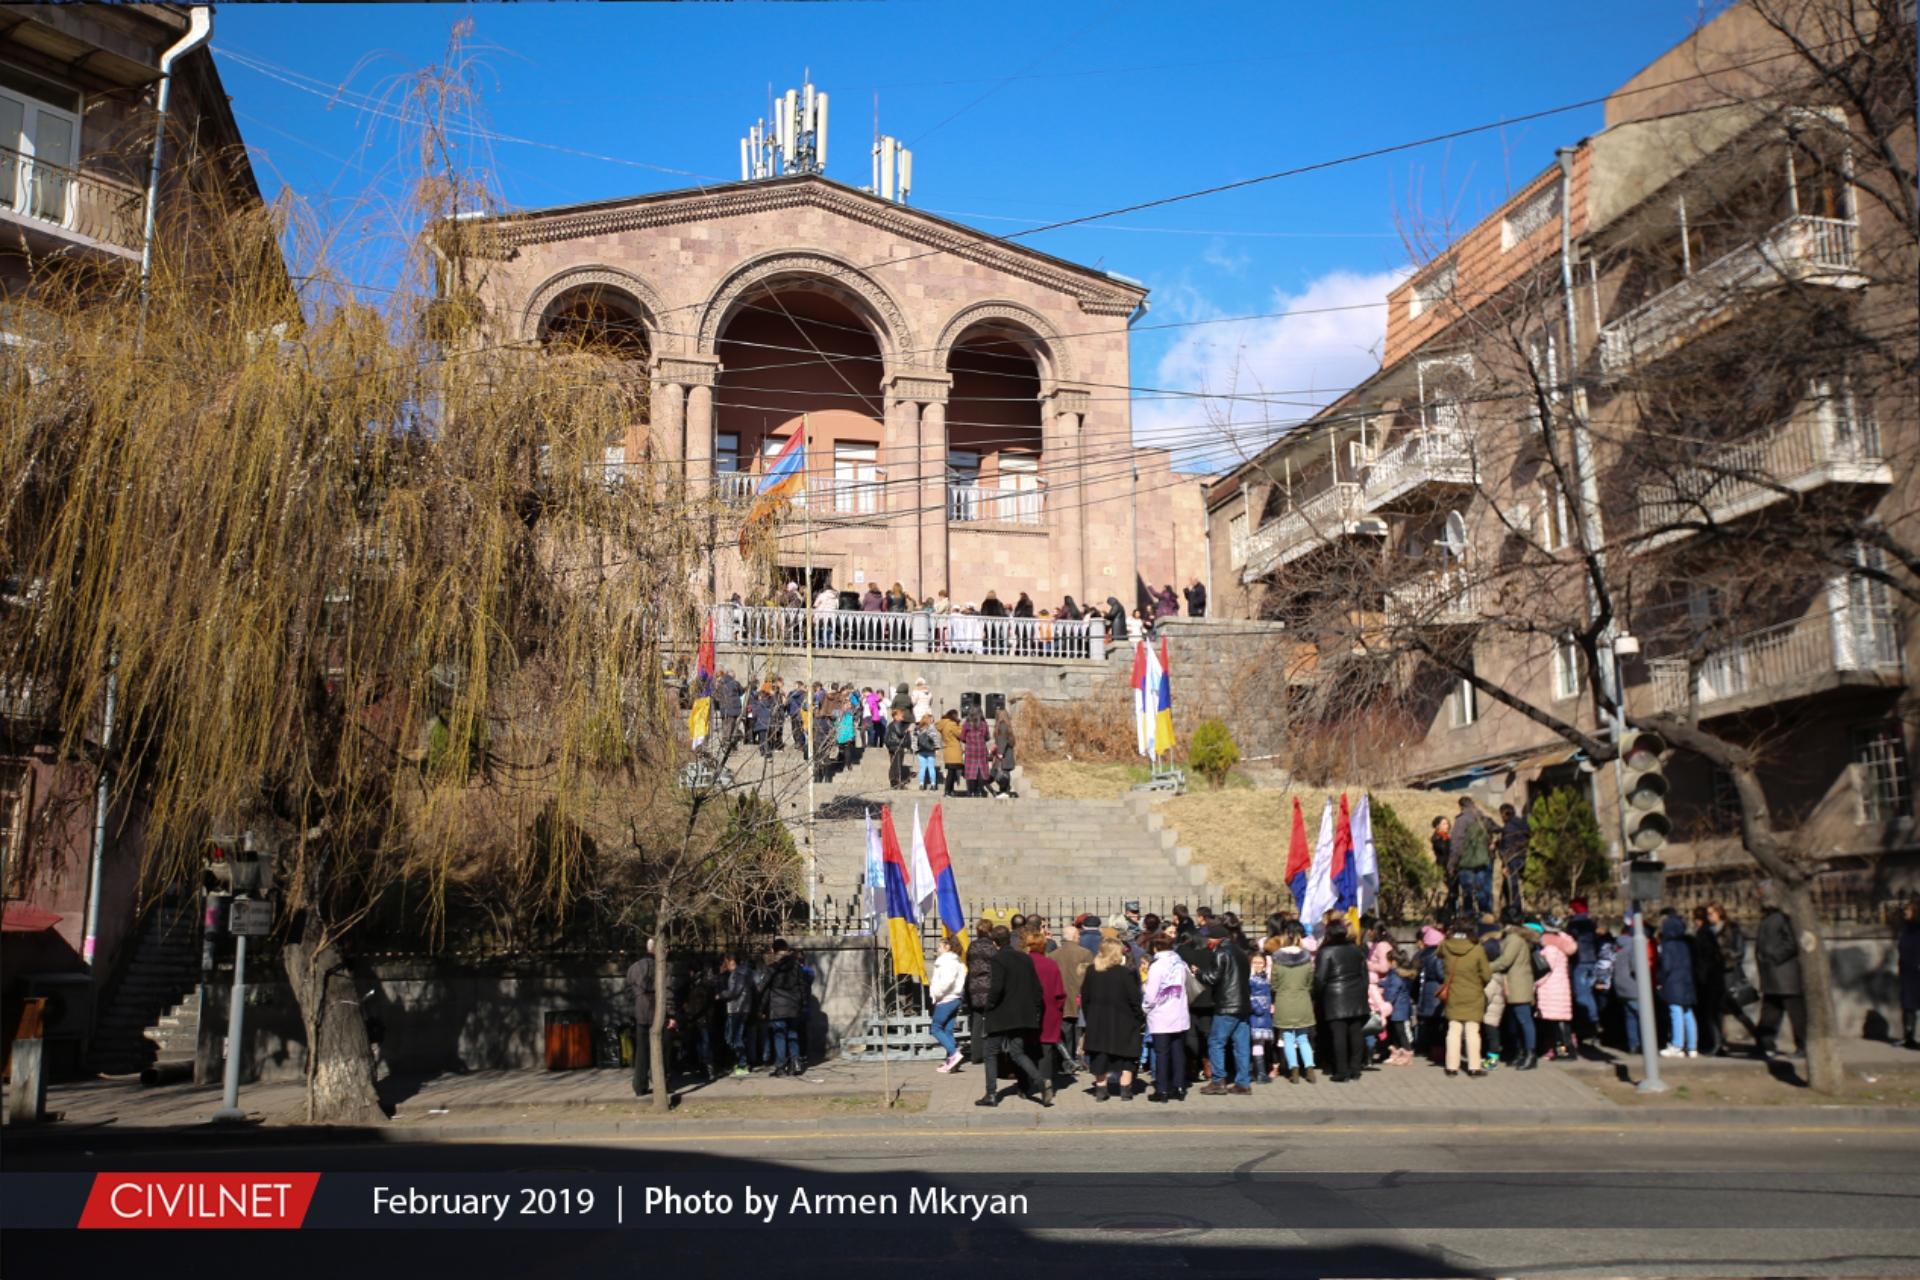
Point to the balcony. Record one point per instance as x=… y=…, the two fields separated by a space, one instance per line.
x=856 y=631
x=1429 y=456
x=1815 y=448
x=735 y=488
x=1849 y=646
x=1447 y=598
x=64 y=208
x=1333 y=512
x=978 y=504
x=1800 y=249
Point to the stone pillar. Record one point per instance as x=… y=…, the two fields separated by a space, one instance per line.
x=1063 y=458
x=936 y=564
x=689 y=380
x=917 y=428
x=664 y=434
x=699 y=438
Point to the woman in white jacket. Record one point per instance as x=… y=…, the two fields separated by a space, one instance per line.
x=946 y=986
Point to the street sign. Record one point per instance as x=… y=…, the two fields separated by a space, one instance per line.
x=250 y=916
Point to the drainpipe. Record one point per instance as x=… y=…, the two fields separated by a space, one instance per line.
x=199 y=27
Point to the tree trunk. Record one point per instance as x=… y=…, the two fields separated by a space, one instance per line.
x=657 y=1034
x=340 y=1088
x=1824 y=1072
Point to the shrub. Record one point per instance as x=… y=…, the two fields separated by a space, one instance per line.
x=1213 y=752
x=1408 y=875
x=1564 y=848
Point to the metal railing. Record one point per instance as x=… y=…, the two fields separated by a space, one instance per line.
x=70 y=200
x=1798 y=247
x=1426 y=456
x=848 y=630
x=1446 y=596
x=1302 y=526
x=970 y=503
x=1845 y=639
x=1789 y=456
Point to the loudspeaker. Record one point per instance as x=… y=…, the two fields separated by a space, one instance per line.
x=968 y=701
x=996 y=703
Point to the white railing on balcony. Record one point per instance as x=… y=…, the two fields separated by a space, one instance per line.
x=1302 y=527
x=1447 y=597
x=1427 y=456
x=970 y=503
x=1798 y=248
x=1844 y=640
x=735 y=488
x=1808 y=449
x=70 y=200
x=918 y=631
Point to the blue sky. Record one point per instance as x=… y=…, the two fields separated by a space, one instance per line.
x=1018 y=114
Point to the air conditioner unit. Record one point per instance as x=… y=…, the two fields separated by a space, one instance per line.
x=68 y=1013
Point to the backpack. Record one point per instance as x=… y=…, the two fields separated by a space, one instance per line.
x=1603 y=970
x=1475 y=852
x=1540 y=966
x=926 y=742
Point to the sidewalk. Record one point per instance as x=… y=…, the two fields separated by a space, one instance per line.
x=840 y=1096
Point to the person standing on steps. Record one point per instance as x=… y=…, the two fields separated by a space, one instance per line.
x=1164 y=998
x=1001 y=758
x=926 y=753
x=953 y=749
x=1015 y=1005
x=899 y=741
x=1113 y=1019
x=1513 y=839
x=976 y=747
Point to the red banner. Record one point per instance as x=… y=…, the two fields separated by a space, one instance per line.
x=152 y=1201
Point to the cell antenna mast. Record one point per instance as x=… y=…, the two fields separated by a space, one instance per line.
x=793 y=141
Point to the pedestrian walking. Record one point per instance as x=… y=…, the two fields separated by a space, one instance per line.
x=946 y=992
x=1015 y=1005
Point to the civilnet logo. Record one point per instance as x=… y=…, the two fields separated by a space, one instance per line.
x=149 y=1201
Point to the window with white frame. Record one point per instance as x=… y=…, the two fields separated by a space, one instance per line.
x=1555 y=531
x=1566 y=668
x=1237 y=539
x=1530 y=217
x=39 y=141
x=1880 y=773
x=1445 y=383
x=1465 y=701
x=1436 y=285
x=14 y=804
x=1020 y=485
x=726 y=451
x=856 y=478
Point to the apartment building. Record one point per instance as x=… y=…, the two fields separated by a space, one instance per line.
x=1719 y=394
x=79 y=89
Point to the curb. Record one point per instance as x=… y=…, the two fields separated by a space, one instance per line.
x=55 y=1138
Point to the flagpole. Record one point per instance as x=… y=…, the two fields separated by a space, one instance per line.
x=813 y=766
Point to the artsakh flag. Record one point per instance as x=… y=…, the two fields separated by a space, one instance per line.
x=946 y=890
x=903 y=930
x=1299 y=858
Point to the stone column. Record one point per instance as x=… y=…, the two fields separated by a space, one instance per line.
x=690 y=429
x=1063 y=458
x=936 y=563
x=664 y=433
x=917 y=426
x=699 y=439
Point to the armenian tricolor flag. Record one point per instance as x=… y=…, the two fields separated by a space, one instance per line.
x=946 y=891
x=1299 y=858
x=700 y=719
x=1345 y=874
x=903 y=930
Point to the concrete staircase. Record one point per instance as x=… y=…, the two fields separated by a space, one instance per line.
x=1055 y=856
x=149 y=1022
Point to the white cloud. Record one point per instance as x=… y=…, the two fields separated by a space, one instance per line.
x=1319 y=343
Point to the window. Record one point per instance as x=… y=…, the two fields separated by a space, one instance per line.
x=1445 y=382
x=1880 y=773
x=39 y=140
x=726 y=452
x=1543 y=361
x=1555 y=530
x=1237 y=540
x=963 y=485
x=1437 y=284
x=1536 y=213
x=15 y=782
x=856 y=478
x=1020 y=481
x=1465 y=700
x=1566 y=668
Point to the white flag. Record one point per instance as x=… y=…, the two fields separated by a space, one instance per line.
x=1320 y=878
x=925 y=891
x=1366 y=862
x=876 y=875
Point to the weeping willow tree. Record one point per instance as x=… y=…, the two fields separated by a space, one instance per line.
x=365 y=583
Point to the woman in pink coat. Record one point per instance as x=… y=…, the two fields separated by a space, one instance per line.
x=1379 y=964
x=1553 y=993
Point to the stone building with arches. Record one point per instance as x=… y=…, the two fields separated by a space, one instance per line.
x=965 y=399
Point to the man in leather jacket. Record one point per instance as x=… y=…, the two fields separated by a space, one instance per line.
x=1229 y=983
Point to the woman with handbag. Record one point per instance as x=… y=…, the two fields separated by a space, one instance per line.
x=1732 y=941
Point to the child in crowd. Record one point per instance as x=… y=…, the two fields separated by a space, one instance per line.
x=1397 y=990
x=1291 y=977
x=1260 y=991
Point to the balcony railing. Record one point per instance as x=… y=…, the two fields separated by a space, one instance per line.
x=1799 y=248
x=918 y=631
x=70 y=202
x=1848 y=639
x=971 y=503
x=1806 y=451
x=1445 y=598
x=1427 y=456
x=735 y=488
x=1298 y=530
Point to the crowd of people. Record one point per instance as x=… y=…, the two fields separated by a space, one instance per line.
x=737 y=1014
x=954 y=627
x=1194 y=1001
x=834 y=724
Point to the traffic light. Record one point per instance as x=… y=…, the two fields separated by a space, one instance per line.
x=1643 y=791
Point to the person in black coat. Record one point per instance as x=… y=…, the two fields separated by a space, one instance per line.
x=783 y=1002
x=1909 y=971
x=1709 y=981
x=1014 y=1006
x=1776 y=953
x=1111 y=1018
x=1340 y=987
x=1196 y=599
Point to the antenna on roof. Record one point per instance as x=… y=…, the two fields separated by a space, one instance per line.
x=892 y=163
x=795 y=141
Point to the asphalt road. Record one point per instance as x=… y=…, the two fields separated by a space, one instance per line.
x=1797 y=1198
